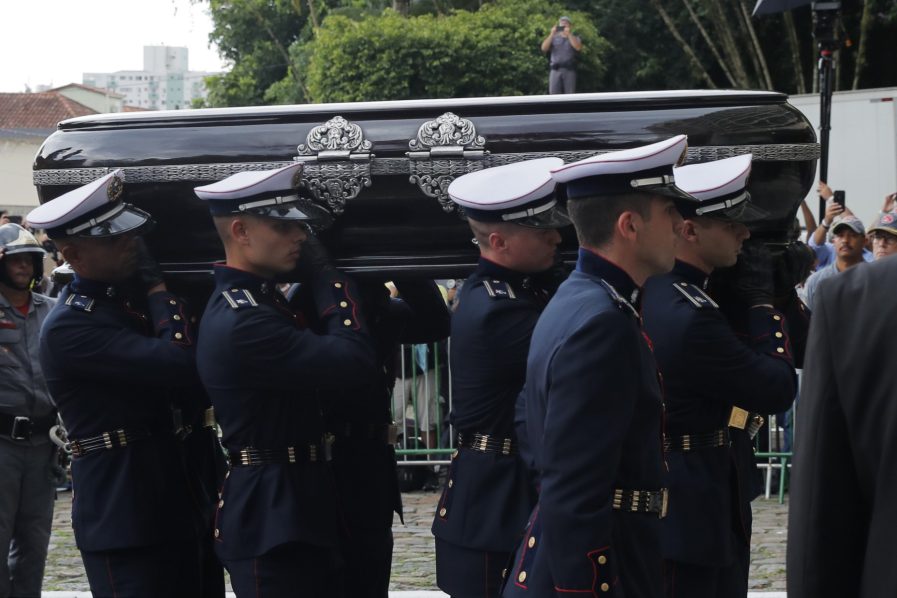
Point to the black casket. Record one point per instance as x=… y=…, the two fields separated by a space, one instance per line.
x=383 y=167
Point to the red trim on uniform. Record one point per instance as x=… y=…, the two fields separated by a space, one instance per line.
x=526 y=537
x=354 y=303
x=111 y=580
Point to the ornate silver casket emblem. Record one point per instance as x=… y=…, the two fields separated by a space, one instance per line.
x=337 y=162
x=445 y=148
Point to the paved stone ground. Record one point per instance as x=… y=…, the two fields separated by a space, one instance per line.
x=413 y=567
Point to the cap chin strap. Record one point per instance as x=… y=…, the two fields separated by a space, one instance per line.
x=95 y=221
x=725 y=205
x=656 y=181
x=529 y=212
x=271 y=201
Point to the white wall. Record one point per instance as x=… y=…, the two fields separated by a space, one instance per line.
x=93 y=100
x=863 y=148
x=17 y=192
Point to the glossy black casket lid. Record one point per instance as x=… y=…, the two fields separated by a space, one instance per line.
x=383 y=167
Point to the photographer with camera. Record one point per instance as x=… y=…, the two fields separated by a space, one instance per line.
x=562 y=46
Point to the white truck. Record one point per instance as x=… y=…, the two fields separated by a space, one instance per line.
x=863 y=150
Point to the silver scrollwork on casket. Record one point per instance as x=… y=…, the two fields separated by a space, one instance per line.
x=337 y=162
x=445 y=148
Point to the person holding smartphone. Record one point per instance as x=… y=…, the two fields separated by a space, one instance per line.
x=562 y=46
x=835 y=207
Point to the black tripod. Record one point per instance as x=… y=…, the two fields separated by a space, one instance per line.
x=825 y=18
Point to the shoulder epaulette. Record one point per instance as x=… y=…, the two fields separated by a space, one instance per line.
x=239 y=298
x=695 y=295
x=499 y=289
x=80 y=302
x=618 y=300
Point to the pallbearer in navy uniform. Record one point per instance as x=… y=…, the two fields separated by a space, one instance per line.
x=716 y=384
x=592 y=397
x=513 y=213
x=360 y=420
x=119 y=361
x=267 y=374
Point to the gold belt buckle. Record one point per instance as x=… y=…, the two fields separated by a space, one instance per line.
x=738 y=418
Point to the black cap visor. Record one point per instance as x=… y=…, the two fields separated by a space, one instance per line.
x=125 y=219
x=299 y=209
x=556 y=217
x=739 y=208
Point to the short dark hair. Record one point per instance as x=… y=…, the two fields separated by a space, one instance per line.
x=594 y=218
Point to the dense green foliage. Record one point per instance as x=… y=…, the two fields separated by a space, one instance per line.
x=286 y=51
x=490 y=52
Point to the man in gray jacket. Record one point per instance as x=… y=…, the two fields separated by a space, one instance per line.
x=26 y=415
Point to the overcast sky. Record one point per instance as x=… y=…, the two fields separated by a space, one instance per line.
x=52 y=42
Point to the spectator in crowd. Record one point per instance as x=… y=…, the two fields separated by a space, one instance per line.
x=842 y=519
x=4 y=217
x=562 y=46
x=26 y=415
x=884 y=236
x=848 y=239
x=817 y=240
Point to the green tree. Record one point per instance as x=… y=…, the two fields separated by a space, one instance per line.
x=493 y=51
x=255 y=36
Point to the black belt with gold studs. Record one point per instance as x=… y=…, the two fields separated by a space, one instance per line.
x=106 y=441
x=304 y=453
x=485 y=443
x=642 y=501
x=695 y=442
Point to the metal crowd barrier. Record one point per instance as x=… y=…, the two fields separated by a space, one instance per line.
x=421 y=405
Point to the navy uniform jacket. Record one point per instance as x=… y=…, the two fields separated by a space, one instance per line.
x=262 y=369
x=707 y=369
x=489 y=496
x=841 y=520
x=419 y=316
x=594 y=420
x=109 y=366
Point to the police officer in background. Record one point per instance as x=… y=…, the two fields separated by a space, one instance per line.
x=513 y=213
x=117 y=352
x=716 y=384
x=269 y=378
x=592 y=399
x=27 y=413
